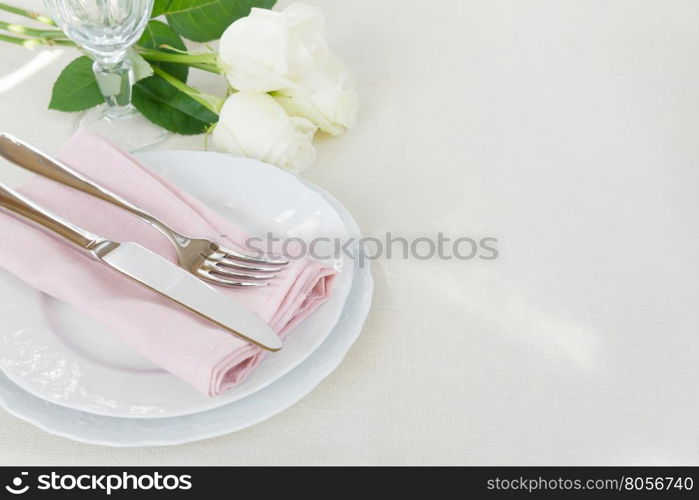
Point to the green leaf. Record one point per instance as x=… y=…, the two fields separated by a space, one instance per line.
x=171 y=109
x=159 y=7
x=206 y=20
x=158 y=100
x=76 y=88
x=158 y=33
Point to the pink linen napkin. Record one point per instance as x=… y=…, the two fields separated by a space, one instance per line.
x=209 y=359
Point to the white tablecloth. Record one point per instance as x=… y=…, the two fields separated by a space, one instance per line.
x=569 y=131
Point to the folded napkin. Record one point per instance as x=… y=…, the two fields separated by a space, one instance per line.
x=201 y=354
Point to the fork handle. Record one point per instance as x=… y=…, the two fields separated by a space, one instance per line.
x=18 y=205
x=22 y=154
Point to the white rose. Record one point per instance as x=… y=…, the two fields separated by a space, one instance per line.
x=256 y=126
x=286 y=53
x=326 y=96
x=267 y=50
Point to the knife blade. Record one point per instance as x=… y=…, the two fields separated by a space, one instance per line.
x=149 y=270
x=171 y=281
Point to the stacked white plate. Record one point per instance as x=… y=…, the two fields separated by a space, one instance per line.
x=70 y=376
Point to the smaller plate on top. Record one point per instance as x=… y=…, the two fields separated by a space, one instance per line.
x=65 y=357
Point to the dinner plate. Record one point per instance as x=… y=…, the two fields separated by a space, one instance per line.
x=263 y=404
x=63 y=356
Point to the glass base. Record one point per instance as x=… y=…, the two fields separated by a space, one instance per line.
x=128 y=129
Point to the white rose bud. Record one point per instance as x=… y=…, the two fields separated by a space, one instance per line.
x=256 y=126
x=286 y=53
x=326 y=96
x=267 y=50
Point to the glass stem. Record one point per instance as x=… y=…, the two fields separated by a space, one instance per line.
x=115 y=80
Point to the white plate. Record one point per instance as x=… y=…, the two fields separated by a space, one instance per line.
x=123 y=432
x=67 y=358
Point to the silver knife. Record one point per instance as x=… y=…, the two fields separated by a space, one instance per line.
x=150 y=270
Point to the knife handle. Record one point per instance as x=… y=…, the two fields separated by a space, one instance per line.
x=23 y=207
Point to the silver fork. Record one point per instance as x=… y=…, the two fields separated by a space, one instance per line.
x=204 y=258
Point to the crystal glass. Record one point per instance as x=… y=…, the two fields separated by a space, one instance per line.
x=106 y=29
